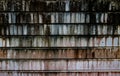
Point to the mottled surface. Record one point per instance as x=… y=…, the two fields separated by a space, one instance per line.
x=59 y=37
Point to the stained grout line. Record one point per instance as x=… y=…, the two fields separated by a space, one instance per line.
x=88 y=24
x=59 y=35
x=56 y=59
x=62 y=47
x=59 y=11
x=61 y=71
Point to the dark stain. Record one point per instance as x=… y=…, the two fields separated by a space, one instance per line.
x=29 y=30
x=115 y=31
x=55 y=53
x=60 y=18
x=3 y=53
x=1 y=6
x=18 y=5
x=93 y=54
x=87 y=29
x=113 y=18
x=9 y=5
x=47 y=38
x=36 y=5
x=76 y=53
x=92 y=18
x=75 y=5
x=110 y=29
x=20 y=18
x=50 y=7
x=23 y=17
x=60 y=6
x=117 y=18
x=3 y=18
x=46 y=18
x=36 y=29
x=47 y=31
x=27 y=18
x=3 y=27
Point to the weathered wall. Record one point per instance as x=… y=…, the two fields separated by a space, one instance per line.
x=59 y=38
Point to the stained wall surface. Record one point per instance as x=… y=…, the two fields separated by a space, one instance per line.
x=59 y=37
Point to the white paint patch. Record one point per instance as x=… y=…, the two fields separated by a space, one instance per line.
x=118 y=29
x=87 y=18
x=52 y=18
x=32 y=20
x=119 y=41
x=40 y=18
x=67 y=4
x=1 y=42
x=25 y=30
x=13 y=17
x=34 y=42
x=56 y=18
x=99 y=29
x=102 y=42
x=61 y=30
x=77 y=16
x=102 y=18
x=9 y=18
x=15 y=29
x=67 y=18
x=8 y=42
x=72 y=41
x=106 y=17
x=65 y=29
x=73 y=18
x=91 y=42
x=97 y=18
x=11 y=30
x=96 y=42
x=115 y=42
x=104 y=30
x=109 y=41
x=19 y=30
x=82 y=18
x=83 y=42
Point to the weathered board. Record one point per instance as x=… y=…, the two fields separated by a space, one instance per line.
x=59 y=37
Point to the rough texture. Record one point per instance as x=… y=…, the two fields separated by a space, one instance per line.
x=59 y=38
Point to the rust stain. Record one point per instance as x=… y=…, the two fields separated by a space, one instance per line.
x=3 y=53
x=68 y=53
x=60 y=13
